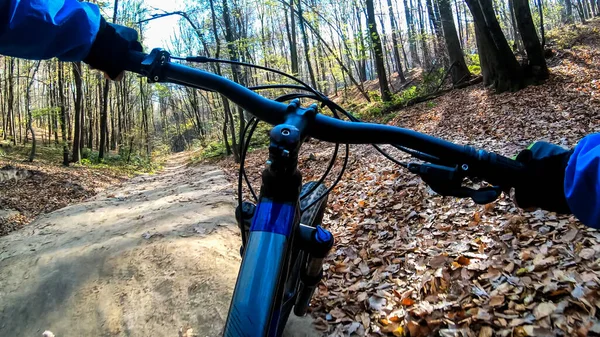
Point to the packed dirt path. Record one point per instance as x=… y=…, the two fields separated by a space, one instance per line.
x=156 y=257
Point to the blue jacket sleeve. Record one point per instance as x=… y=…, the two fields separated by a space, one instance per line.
x=582 y=181
x=43 y=29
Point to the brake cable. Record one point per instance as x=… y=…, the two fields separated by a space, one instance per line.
x=318 y=97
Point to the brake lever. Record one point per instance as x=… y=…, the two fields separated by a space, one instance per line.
x=447 y=181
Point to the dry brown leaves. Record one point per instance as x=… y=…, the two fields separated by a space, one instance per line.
x=47 y=188
x=408 y=262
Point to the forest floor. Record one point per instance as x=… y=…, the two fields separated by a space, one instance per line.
x=156 y=256
x=409 y=262
x=28 y=190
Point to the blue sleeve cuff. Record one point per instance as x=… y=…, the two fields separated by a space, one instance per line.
x=43 y=29
x=582 y=181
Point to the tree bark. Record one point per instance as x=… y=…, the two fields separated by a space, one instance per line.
x=568 y=12
x=11 y=99
x=459 y=22
x=29 y=115
x=361 y=49
x=395 y=42
x=580 y=11
x=411 y=33
x=63 y=114
x=235 y=70
x=77 y=138
x=518 y=42
x=104 y=111
x=292 y=40
x=423 y=37
x=541 y=14
x=536 y=62
x=500 y=68
x=311 y=72
x=386 y=96
x=459 y=71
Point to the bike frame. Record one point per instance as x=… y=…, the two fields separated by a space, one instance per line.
x=265 y=292
x=266 y=287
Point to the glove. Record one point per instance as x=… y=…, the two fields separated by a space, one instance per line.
x=109 y=50
x=543 y=183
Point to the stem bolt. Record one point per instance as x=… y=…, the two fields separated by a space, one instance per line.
x=465 y=167
x=285 y=132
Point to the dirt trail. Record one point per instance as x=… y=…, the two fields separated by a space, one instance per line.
x=158 y=255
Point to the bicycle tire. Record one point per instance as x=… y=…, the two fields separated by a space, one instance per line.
x=311 y=217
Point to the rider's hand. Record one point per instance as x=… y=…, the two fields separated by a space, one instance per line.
x=109 y=50
x=543 y=183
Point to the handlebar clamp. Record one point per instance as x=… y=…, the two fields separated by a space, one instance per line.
x=152 y=65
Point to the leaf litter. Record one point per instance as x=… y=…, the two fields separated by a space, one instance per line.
x=43 y=188
x=408 y=262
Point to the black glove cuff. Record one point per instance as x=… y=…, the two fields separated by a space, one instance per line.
x=543 y=184
x=109 y=50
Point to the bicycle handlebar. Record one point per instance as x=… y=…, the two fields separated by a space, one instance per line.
x=492 y=167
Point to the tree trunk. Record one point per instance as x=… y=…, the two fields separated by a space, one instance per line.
x=104 y=111
x=518 y=42
x=535 y=53
x=411 y=33
x=395 y=42
x=311 y=72
x=580 y=11
x=592 y=5
x=63 y=115
x=458 y=21
x=459 y=70
x=386 y=96
x=235 y=70
x=423 y=37
x=29 y=116
x=226 y=107
x=11 y=100
x=77 y=138
x=587 y=9
x=434 y=20
x=339 y=60
x=361 y=49
x=502 y=69
x=568 y=12
x=292 y=40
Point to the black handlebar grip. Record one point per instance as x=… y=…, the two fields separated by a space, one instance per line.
x=503 y=163
x=495 y=168
x=134 y=61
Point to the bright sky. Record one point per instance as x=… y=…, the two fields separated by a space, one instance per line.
x=159 y=31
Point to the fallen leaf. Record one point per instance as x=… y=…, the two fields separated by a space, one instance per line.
x=337 y=313
x=569 y=236
x=377 y=303
x=532 y=330
x=463 y=261
x=486 y=331
x=398 y=332
x=483 y=315
x=543 y=309
x=407 y=301
x=577 y=292
x=353 y=327
x=496 y=301
x=587 y=253
x=364 y=268
x=438 y=261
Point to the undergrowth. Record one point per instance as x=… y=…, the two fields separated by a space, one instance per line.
x=215 y=148
x=120 y=162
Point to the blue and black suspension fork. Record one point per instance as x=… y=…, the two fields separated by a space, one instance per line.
x=274 y=239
